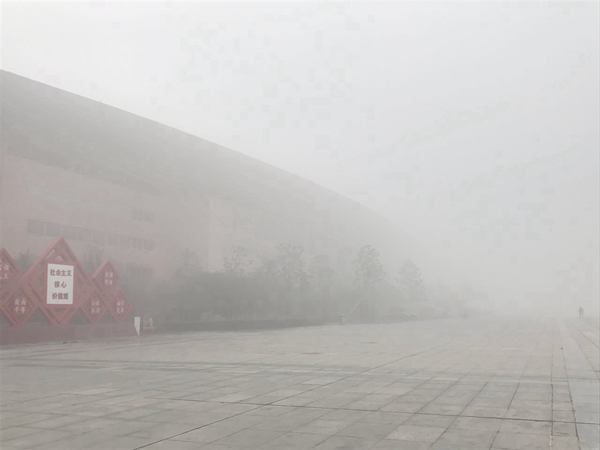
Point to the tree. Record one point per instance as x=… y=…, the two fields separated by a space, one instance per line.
x=368 y=269
x=238 y=263
x=92 y=258
x=320 y=271
x=289 y=267
x=368 y=274
x=284 y=275
x=410 y=279
x=186 y=284
x=190 y=265
x=25 y=260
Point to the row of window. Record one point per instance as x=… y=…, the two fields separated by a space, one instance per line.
x=135 y=271
x=87 y=235
x=146 y=216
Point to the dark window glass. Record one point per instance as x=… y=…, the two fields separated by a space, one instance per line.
x=84 y=235
x=98 y=237
x=52 y=229
x=69 y=232
x=35 y=226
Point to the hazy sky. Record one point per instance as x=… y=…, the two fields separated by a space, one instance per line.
x=473 y=125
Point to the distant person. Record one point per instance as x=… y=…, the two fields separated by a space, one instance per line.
x=580 y=312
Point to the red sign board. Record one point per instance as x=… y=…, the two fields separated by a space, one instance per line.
x=108 y=282
x=9 y=271
x=58 y=285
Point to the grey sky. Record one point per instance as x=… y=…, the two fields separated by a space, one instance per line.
x=474 y=125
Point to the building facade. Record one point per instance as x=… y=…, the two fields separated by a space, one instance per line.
x=120 y=186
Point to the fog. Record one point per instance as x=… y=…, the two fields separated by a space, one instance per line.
x=474 y=127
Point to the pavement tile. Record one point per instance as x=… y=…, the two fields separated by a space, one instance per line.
x=498 y=378
x=563 y=416
x=416 y=434
x=158 y=431
x=272 y=410
x=121 y=443
x=345 y=415
x=531 y=414
x=453 y=410
x=400 y=445
x=589 y=436
x=564 y=429
x=477 y=423
x=205 y=435
x=91 y=424
x=41 y=437
x=368 y=430
x=14 y=432
x=430 y=420
x=295 y=441
x=403 y=407
x=346 y=443
x=327 y=427
x=386 y=417
x=526 y=427
x=518 y=441
x=251 y=437
x=467 y=439
x=473 y=411
x=173 y=445
x=566 y=442
x=23 y=419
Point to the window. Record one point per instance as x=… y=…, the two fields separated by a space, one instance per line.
x=84 y=235
x=148 y=244
x=52 y=229
x=69 y=232
x=146 y=216
x=98 y=237
x=35 y=226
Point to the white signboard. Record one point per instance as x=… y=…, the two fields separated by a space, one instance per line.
x=60 y=284
x=136 y=324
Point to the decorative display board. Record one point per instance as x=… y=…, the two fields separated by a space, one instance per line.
x=58 y=286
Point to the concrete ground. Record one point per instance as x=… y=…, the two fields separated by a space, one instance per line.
x=452 y=384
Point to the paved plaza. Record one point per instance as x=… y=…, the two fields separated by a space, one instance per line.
x=444 y=384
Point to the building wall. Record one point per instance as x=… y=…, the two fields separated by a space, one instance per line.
x=134 y=229
x=148 y=194
x=142 y=231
